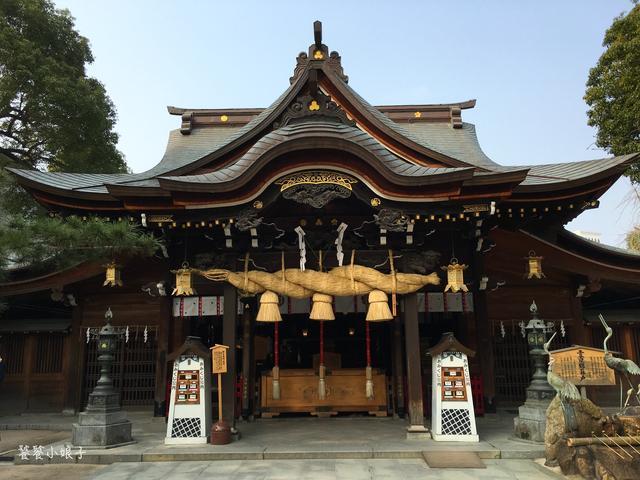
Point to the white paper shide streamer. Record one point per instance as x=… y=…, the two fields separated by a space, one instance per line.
x=339 y=253
x=302 y=247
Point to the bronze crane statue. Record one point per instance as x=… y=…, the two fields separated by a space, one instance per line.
x=621 y=365
x=564 y=388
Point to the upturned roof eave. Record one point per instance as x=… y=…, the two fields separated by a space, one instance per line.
x=422 y=154
x=614 y=171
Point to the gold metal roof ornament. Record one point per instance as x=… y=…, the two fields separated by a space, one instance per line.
x=455 y=276
x=534 y=266
x=316 y=177
x=183 y=281
x=112 y=275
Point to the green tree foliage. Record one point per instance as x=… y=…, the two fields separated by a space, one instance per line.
x=613 y=89
x=52 y=115
x=58 y=243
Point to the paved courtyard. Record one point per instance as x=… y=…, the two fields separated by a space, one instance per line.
x=405 y=469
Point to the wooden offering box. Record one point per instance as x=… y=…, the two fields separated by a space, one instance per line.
x=345 y=393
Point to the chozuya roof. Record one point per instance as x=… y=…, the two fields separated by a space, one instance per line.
x=401 y=152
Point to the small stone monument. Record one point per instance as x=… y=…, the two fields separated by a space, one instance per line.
x=531 y=422
x=103 y=424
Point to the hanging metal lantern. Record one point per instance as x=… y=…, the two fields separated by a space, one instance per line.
x=455 y=276
x=112 y=277
x=534 y=266
x=183 y=281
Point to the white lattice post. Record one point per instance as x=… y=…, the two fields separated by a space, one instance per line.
x=452 y=416
x=190 y=409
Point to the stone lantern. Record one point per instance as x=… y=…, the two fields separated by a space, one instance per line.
x=531 y=421
x=103 y=423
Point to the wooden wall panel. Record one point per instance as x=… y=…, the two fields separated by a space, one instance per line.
x=128 y=309
x=512 y=303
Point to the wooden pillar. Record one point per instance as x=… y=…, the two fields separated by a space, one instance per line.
x=578 y=333
x=398 y=367
x=414 y=373
x=248 y=368
x=72 y=371
x=484 y=332
x=159 y=407
x=486 y=349
x=230 y=314
x=627 y=343
x=27 y=366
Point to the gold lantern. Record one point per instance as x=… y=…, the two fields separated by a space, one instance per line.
x=112 y=278
x=183 y=281
x=534 y=266
x=455 y=276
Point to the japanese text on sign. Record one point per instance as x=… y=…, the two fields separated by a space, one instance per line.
x=219 y=358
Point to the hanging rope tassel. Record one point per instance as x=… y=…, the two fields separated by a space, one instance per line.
x=394 y=285
x=368 y=372
x=275 y=373
x=322 y=387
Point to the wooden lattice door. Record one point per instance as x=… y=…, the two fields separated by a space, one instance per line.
x=513 y=367
x=134 y=367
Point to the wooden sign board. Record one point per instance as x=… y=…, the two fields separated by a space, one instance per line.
x=583 y=366
x=219 y=358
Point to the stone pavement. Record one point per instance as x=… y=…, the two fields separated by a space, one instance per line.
x=336 y=469
x=306 y=438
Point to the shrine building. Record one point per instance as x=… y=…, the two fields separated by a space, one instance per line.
x=321 y=201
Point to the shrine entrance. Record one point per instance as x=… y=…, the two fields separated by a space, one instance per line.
x=346 y=347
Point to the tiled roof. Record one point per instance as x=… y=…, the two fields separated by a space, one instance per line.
x=555 y=174
x=393 y=163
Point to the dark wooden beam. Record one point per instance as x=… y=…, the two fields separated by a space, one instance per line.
x=414 y=373
x=73 y=370
x=164 y=319
x=317 y=34
x=484 y=337
x=230 y=314
x=248 y=366
x=398 y=368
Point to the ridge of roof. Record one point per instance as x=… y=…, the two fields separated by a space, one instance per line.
x=403 y=107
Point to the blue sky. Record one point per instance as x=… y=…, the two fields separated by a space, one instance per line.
x=525 y=62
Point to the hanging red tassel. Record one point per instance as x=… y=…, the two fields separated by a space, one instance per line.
x=368 y=371
x=322 y=389
x=276 y=364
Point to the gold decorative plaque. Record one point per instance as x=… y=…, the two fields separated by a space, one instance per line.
x=316 y=177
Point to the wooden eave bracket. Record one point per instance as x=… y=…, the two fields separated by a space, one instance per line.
x=185 y=127
x=456 y=117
